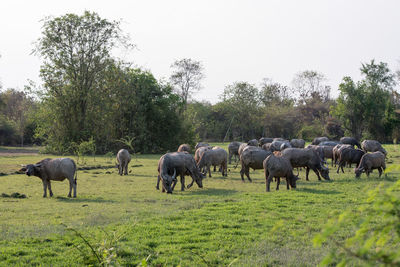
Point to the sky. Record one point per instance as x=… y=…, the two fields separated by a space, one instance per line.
x=235 y=40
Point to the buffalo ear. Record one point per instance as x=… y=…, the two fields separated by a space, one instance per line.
x=23 y=169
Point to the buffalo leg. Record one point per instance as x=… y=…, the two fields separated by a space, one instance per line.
x=158 y=182
x=174 y=184
x=307 y=172
x=49 y=187
x=70 y=188
x=126 y=169
x=278 y=182
x=209 y=171
x=269 y=180
x=182 y=183
x=380 y=171
x=247 y=172
x=317 y=173
x=44 y=188
x=287 y=183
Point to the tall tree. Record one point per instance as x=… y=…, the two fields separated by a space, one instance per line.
x=186 y=77
x=76 y=51
x=308 y=84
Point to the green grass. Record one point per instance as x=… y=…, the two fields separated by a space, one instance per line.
x=226 y=222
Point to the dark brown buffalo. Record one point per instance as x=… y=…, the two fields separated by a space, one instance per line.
x=349 y=155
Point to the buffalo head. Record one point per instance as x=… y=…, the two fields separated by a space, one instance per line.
x=167 y=181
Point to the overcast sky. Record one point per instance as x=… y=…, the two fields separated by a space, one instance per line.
x=235 y=40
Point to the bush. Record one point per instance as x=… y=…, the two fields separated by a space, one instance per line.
x=375 y=235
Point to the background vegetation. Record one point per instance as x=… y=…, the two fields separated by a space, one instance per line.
x=88 y=94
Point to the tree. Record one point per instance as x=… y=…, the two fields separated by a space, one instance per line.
x=309 y=83
x=76 y=51
x=272 y=93
x=242 y=101
x=186 y=76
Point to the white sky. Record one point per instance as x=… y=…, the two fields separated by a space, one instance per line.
x=235 y=40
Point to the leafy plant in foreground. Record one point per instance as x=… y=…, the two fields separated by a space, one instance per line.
x=376 y=237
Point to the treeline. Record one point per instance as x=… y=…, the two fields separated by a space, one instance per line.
x=90 y=96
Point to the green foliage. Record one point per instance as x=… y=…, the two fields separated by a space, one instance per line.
x=367 y=108
x=375 y=235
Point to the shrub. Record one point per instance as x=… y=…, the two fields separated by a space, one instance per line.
x=375 y=235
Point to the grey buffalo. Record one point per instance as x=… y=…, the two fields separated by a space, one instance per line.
x=183 y=148
x=57 y=169
x=233 y=150
x=123 y=159
x=173 y=164
x=278 y=167
x=252 y=157
x=216 y=157
x=350 y=141
x=349 y=155
x=297 y=143
x=253 y=142
x=370 y=161
x=318 y=140
x=265 y=140
x=307 y=158
x=372 y=146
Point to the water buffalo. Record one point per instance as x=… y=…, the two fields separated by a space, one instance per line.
x=252 y=142
x=265 y=140
x=372 y=146
x=307 y=158
x=349 y=155
x=252 y=157
x=173 y=164
x=183 y=148
x=319 y=150
x=216 y=157
x=350 y=141
x=318 y=140
x=328 y=143
x=123 y=159
x=200 y=144
x=278 y=167
x=57 y=169
x=279 y=145
x=233 y=150
x=328 y=152
x=199 y=152
x=336 y=151
x=298 y=143
x=370 y=161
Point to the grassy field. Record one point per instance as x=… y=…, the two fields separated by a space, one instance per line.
x=127 y=221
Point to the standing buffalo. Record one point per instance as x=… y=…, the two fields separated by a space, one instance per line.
x=319 y=150
x=372 y=146
x=216 y=157
x=369 y=162
x=297 y=143
x=336 y=151
x=233 y=150
x=53 y=169
x=199 y=152
x=177 y=163
x=328 y=143
x=123 y=159
x=278 y=167
x=265 y=140
x=318 y=140
x=200 y=144
x=349 y=155
x=350 y=141
x=183 y=148
x=307 y=158
x=253 y=142
x=252 y=157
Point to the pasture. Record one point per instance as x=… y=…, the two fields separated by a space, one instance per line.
x=128 y=222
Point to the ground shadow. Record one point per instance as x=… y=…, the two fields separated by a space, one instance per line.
x=318 y=191
x=79 y=200
x=213 y=192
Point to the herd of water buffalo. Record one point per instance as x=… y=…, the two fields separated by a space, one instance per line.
x=278 y=157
